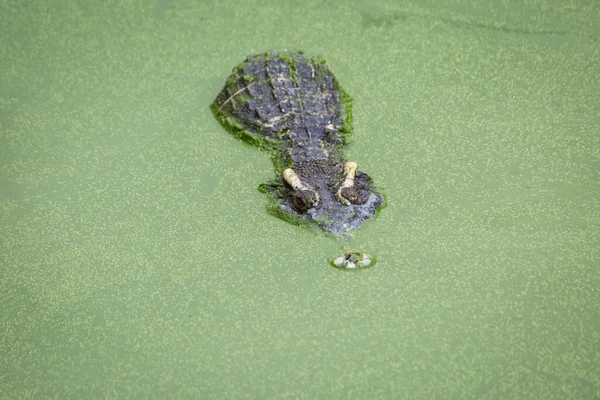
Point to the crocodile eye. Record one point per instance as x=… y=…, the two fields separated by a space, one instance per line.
x=354 y=196
x=349 y=194
x=300 y=205
x=304 y=196
x=303 y=200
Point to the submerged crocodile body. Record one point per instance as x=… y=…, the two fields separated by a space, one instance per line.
x=295 y=107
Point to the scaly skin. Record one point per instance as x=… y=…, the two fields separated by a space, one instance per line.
x=295 y=107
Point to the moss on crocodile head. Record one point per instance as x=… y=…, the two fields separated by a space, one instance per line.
x=239 y=130
x=249 y=78
x=347 y=128
x=289 y=59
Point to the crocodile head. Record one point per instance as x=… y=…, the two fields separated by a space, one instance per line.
x=336 y=196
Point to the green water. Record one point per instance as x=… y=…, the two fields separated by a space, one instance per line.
x=138 y=260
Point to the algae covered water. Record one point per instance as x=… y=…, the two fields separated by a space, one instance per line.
x=138 y=258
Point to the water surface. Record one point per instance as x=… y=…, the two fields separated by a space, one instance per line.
x=138 y=259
